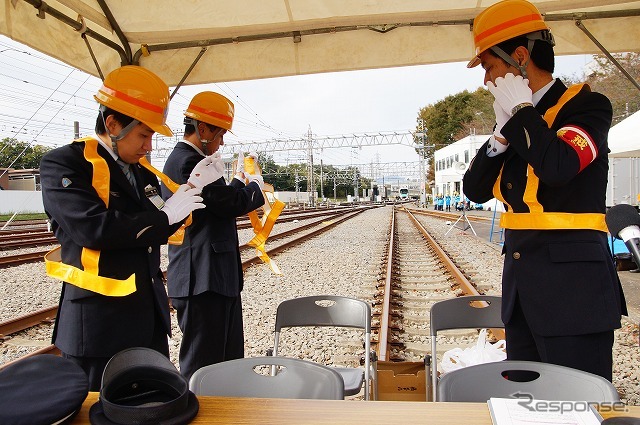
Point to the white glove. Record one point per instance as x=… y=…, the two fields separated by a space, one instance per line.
x=240 y=163
x=254 y=156
x=208 y=170
x=182 y=203
x=501 y=119
x=511 y=91
x=255 y=178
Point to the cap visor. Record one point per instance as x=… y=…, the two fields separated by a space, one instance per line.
x=133 y=357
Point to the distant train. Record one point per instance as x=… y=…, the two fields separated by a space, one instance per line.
x=403 y=193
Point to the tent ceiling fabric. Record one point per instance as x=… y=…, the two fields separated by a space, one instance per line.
x=251 y=39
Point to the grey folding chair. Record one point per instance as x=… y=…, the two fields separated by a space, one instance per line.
x=332 y=311
x=474 y=311
x=480 y=382
x=296 y=379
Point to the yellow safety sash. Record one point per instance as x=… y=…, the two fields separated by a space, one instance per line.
x=537 y=218
x=262 y=226
x=178 y=237
x=89 y=278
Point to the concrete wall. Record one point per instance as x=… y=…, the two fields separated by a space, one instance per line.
x=21 y=201
x=288 y=197
x=623 y=186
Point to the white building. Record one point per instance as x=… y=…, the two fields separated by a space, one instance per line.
x=450 y=164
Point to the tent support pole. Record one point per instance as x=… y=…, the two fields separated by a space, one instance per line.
x=186 y=74
x=613 y=60
x=117 y=29
x=44 y=8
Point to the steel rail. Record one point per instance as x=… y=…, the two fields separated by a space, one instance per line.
x=465 y=285
x=27 y=321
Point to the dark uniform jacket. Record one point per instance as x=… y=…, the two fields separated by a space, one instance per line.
x=128 y=234
x=209 y=257
x=565 y=279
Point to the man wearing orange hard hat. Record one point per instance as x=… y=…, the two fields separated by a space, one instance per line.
x=547 y=162
x=204 y=276
x=103 y=199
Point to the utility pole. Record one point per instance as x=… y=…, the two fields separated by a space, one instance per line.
x=297 y=199
x=422 y=134
x=355 y=183
x=321 y=185
x=311 y=190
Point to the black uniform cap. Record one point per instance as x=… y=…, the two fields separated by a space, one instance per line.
x=142 y=386
x=42 y=389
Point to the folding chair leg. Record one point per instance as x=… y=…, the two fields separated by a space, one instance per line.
x=427 y=373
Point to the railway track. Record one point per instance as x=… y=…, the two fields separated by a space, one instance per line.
x=17 y=259
x=417 y=273
x=28 y=238
x=309 y=230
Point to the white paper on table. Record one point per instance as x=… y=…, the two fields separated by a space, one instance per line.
x=512 y=411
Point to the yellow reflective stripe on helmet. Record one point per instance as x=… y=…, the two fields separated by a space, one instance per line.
x=537 y=218
x=85 y=279
x=553 y=221
x=178 y=237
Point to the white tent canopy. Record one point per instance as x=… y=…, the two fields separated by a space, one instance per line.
x=250 y=39
x=624 y=138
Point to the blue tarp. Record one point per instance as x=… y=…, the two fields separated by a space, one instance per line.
x=618 y=246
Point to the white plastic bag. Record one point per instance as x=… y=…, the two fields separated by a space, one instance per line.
x=482 y=352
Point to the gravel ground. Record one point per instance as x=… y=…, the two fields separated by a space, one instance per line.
x=343 y=261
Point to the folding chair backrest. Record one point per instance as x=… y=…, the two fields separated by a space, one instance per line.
x=480 y=382
x=469 y=312
x=330 y=311
x=324 y=310
x=299 y=379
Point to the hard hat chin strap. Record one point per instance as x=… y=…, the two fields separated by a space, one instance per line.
x=511 y=61
x=545 y=36
x=123 y=132
x=204 y=142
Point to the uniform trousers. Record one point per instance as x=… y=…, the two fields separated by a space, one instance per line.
x=589 y=352
x=212 y=330
x=94 y=366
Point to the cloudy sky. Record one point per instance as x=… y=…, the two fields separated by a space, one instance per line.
x=40 y=98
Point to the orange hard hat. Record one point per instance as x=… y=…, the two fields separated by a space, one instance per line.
x=503 y=21
x=138 y=93
x=211 y=108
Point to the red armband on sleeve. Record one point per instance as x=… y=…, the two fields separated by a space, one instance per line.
x=581 y=142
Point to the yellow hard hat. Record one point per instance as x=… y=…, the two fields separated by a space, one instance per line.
x=503 y=21
x=211 y=108
x=138 y=93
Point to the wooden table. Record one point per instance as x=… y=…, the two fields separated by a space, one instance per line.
x=223 y=410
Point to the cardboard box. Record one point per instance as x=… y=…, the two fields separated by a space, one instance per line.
x=402 y=381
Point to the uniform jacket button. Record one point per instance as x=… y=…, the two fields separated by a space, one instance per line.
x=150 y=250
x=516 y=255
x=509 y=186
